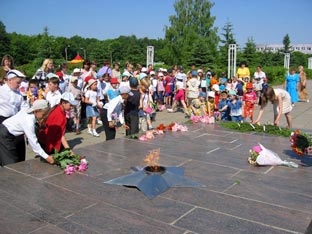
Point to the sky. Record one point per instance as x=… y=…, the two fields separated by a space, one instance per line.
x=265 y=21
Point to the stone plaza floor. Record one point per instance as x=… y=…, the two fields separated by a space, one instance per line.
x=237 y=198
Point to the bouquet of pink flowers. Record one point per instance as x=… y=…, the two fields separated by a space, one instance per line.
x=203 y=119
x=261 y=156
x=70 y=163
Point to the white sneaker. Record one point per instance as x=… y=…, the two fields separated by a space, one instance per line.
x=170 y=110
x=94 y=133
x=308 y=100
x=90 y=131
x=99 y=122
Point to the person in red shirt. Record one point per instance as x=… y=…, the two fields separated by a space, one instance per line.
x=249 y=99
x=52 y=135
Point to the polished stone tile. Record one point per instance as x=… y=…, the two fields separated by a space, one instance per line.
x=104 y=218
x=205 y=221
x=49 y=229
x=35 y=168
x=243 y=208
x=126 y=198
x=75 y=228
x=215 y=177
x=14 y=220
x=54 y=199
x=281 y=191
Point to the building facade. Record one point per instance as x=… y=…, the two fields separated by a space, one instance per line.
x=303 y=48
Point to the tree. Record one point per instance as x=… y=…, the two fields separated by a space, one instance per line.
x=228 y=38
x=250 y=54
x=4 y=40
x=286 y=43
x=191 y=23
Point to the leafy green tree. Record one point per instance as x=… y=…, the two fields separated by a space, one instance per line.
x=4 y=40
x=192 y=22
x=228 y=38
x=250 y=54
x=286 y=43
x=298 y=58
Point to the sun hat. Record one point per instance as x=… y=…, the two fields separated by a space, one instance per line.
x=86 y=80
x=160 y=74
x=142 y=75
x=14 y=73
x=59 y=74
x=200 y=71
x=51 y=75
x=144 y=69
x=73 y=79
x=126 y=73
x=91 y=82
x=77 y=70
x=38 y=105
x=125 y=89
x=114 y=80
x=249 y=86
x=133 y=82
x=240 y=79
x=152 y=73
x=216 y=87
x=211 y=94
x=67 y=96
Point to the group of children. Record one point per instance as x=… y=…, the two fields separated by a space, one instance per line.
x=199 y=93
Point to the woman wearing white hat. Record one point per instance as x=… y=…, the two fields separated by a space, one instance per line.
x=18 y=125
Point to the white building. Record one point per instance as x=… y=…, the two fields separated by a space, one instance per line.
x=303 y=48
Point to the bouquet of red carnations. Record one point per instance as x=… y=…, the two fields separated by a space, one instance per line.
x=301 y=143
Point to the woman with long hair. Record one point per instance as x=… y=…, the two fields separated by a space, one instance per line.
x=281 y=101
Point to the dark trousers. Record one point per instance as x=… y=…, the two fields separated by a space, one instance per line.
x=132 y=121
x=110 y=133
x=10 y=151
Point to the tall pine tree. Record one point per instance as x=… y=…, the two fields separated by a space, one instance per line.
x=228 y=38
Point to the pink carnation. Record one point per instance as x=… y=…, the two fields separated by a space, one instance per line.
x=257 y=149
x=70 y=169
x=83 y=166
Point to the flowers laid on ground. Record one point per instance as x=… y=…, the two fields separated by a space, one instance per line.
x=161 y=129
x=70 y=163
x=261 y=156
x=248 y=127
x=202 y=119
x=301 y=143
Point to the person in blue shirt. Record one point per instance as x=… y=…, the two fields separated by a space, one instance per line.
x=222 y=81
x=223 y=106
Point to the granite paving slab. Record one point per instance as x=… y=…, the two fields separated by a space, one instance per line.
x=206 y=221
x=294 y=194
x=14 y=220
x=267 y=214
x=49 y=229
x=237 y=197
x=104 y=218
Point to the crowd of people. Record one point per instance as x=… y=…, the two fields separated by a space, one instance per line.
x=41 y=106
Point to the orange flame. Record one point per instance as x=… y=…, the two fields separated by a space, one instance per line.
x=152 y=158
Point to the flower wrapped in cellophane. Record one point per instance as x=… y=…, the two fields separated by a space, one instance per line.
x=301 y=143
x=261 y=156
